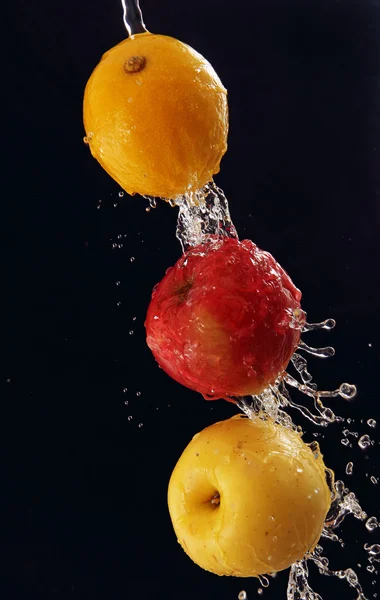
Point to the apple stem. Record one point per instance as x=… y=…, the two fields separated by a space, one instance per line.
x=215 y=500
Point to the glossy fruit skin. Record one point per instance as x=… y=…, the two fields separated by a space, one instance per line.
x=221 y=321
x=273 y=497
x=161 y=130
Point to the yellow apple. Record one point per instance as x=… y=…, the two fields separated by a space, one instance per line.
x=248 y=497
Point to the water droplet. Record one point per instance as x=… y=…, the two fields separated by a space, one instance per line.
x=115 y=204
x=347 y=391
x=126 y=402
x=131 y=332
x=87 y=138
x=370 y=568
x=242 y=595
x=371 y=423
x=138 y=394
x=374 y=480
x=118 y=303
x=130 y=418
x=260 y=591
x=141 y=425
x=134 y=318
x=132 y=259
x=372 y=523
x=364 y=442
x=125 y=390
x=345 y=442
x=121 y=194
x=118 y=283
x=264 y=581
x=349 y=468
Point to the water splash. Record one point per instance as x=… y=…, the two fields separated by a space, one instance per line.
x=349 y=575
x=203 y=216
x=344 y=503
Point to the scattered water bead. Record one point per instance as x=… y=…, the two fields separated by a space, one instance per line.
x=125 y=390
x=130 y=418
x=132 y=259
x=374 y=480
x=126 y=402
x=349 y=468
x=364 y=442
x=372 y=523
x=373 y=550
x=121 y=194
x=242 y=595
x=371 y=423
x=87 y=138
x=347 y=432
x=141 y=425
x=345 y=442
x=347 y=391
x=131 y=332
x=118 y=283
x=260 y=591
x=138 y=394
x=370 y=568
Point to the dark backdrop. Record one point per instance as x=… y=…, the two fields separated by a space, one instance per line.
x=84 y=476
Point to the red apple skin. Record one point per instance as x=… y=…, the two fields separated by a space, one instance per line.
x=221 y=321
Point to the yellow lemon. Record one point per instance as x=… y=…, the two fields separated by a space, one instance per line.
x=156 y=116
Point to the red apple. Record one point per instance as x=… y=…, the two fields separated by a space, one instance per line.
x=225 y=320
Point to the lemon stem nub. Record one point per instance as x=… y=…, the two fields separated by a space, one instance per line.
x=135 y=64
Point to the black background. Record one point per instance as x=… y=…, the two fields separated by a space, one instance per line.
x=83 y=487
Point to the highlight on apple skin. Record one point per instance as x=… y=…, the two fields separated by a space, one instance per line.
x=225 y=320
x=248 y=497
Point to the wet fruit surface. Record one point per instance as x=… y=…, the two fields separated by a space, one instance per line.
x=248 y=497
x=156 y=117
x=223 y=321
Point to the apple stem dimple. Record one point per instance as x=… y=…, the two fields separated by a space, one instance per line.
x=215 y=500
